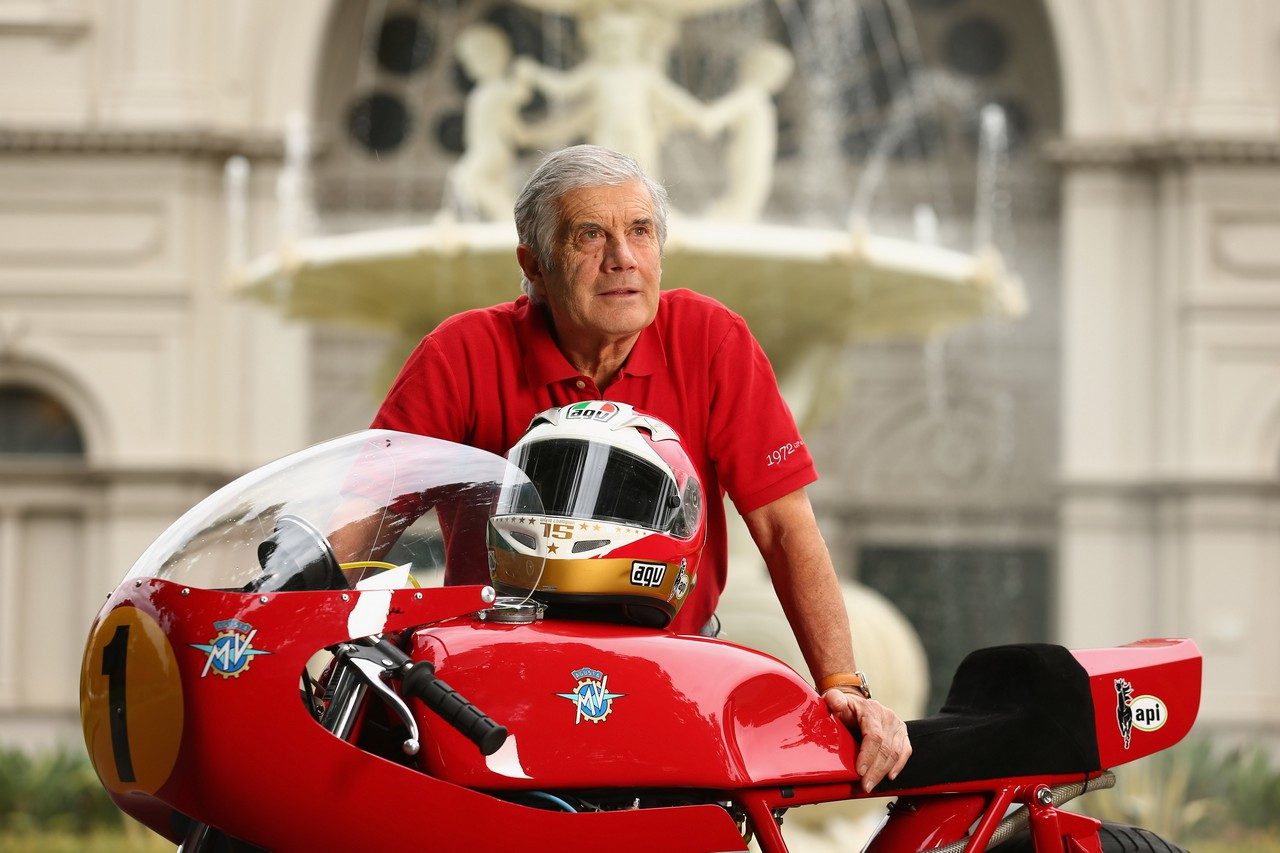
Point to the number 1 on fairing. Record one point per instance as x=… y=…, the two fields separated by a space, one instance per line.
x=114 y=656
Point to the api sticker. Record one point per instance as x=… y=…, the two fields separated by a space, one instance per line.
x=1149 y=713
x=1146 y=713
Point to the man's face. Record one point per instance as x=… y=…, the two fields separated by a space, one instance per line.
x=608 y=264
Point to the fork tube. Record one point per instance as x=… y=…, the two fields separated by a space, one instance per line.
x=348 y=695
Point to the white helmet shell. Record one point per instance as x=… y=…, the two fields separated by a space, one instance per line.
x=624 y=521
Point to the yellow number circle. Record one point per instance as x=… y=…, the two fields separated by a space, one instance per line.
x=131 y=702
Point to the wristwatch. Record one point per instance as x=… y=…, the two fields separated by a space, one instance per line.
x=862 y=684
x=857 y=680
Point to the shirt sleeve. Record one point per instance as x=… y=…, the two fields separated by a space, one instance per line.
x=753 y=439
x=425 y=398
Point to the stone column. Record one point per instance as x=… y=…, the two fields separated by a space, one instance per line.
x=1171 y=408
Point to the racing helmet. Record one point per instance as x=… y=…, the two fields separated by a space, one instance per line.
x=624 y=518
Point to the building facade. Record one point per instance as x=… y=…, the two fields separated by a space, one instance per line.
x=1142 y=487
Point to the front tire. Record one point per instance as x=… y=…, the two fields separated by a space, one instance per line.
x=202 y=838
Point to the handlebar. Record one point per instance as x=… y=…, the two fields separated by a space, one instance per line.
x=383 y=657
x=474 y=724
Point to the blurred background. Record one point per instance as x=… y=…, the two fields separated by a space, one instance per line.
x=1017 y=263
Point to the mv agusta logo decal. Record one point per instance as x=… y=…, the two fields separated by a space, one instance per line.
x=1146 y=713
x=231 y=649
x=592 y=696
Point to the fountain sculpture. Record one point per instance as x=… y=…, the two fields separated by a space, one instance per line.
x=837 y=284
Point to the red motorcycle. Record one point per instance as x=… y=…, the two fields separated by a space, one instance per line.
x=244 y=689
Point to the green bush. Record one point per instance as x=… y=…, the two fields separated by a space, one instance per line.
x=1194 y=791
x=57 y=791
x=1252 y=788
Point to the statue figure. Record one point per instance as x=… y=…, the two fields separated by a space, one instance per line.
x=750 y=119
x=620 y=95
x=482 y=183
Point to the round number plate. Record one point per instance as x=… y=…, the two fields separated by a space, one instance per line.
x=131 y=702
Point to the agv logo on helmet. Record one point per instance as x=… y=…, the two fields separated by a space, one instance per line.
x=594 y=410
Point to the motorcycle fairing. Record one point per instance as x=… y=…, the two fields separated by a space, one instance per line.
x=236 y=731
x=593 y=705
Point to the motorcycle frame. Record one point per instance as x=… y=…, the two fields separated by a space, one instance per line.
x=924 y=818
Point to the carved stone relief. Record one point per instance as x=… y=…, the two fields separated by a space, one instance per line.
x=51 y=233
x=1247 y=244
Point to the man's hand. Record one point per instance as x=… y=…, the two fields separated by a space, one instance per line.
x=885 y=747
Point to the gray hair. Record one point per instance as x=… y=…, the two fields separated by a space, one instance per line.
x=537 y=209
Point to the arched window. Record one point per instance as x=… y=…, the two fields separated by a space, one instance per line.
x=34 y=424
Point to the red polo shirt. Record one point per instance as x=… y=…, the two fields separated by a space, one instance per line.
x=482 y=375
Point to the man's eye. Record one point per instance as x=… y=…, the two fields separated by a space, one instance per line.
x=591 y=233
x=640 y=230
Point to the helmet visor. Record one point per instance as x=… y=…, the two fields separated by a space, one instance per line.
x=583 y=479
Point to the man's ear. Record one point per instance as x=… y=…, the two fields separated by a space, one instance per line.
x=531 y=267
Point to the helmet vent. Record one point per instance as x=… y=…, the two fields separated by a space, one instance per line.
x=524 y=539
x=589 y=545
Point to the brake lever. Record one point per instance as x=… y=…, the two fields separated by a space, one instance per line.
x=370 y=664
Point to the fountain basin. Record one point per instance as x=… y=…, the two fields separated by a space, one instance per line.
x=667 y=9
x=795 y=287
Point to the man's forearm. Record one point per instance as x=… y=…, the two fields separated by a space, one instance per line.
x=804 y=579
x=787 y=534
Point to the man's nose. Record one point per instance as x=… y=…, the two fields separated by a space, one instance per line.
x=619 y=256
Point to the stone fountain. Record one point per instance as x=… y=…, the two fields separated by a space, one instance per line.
x=806 y=291
x=836 y=284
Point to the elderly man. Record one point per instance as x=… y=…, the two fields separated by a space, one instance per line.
x=593 y=324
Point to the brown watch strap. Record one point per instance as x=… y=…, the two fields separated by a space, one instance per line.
x=856 y=680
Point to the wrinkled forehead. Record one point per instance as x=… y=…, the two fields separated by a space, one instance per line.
x=606 y=204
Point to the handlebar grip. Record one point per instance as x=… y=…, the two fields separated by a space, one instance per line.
x=474 y=724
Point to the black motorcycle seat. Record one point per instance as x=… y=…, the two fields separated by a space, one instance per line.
x=1018 y=710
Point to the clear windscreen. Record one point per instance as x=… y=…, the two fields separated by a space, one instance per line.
x=373 y=509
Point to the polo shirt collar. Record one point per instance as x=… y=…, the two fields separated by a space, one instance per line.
x=545 y=364
x=648 y=355
x=543 y=361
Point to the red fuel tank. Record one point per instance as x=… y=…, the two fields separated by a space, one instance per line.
x=591 y=705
